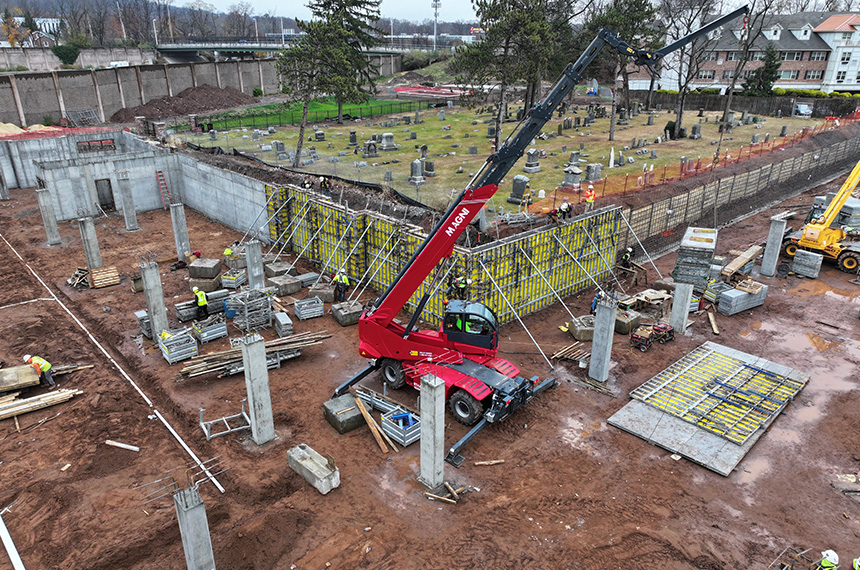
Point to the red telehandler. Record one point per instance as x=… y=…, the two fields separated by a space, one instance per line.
x=480 y=387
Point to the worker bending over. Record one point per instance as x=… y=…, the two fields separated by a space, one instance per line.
x=43 y=367
x=202 y=304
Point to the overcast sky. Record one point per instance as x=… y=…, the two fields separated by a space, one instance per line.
x=416 y=11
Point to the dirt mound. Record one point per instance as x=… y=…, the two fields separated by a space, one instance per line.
x=410 y=78
x=193 y=100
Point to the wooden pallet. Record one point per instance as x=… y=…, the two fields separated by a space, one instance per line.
x=103 y=277
x=749 y=286
x=735 y=265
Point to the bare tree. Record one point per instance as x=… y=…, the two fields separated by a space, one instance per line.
x=198 y=19
x=239 y=21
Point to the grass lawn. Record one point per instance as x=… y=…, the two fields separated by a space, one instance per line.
x=448 y=149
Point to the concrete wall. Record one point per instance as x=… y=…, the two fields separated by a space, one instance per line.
x=43 y=59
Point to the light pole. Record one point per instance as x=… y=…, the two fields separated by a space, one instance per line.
x=256 y=31
x=155 y=31
x=435 y=4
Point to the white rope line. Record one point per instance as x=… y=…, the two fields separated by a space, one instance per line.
x=25 y=302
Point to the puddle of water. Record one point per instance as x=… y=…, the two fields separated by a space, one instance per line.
x=812 y=288
x=751 y=469
x=808 y=414
x=783 y=435
x=819 y=343
x=755 y=325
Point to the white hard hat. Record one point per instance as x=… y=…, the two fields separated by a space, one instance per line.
x=630 y=249
x=590 y=187
x=468 y=281
x=830 y=556
x=27 y=358
x=194 y=289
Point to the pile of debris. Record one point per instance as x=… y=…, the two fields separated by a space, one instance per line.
x=199 y=99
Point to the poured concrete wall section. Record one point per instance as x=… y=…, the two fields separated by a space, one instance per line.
x=43 y=59
x=681 y=307
x=774 y=246
x=601 y=347
x=194 y=529
x=78 y=94
x=432 y=431
x=38 y=97
x=181 y=77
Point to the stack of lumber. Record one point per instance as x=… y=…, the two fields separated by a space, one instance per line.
x=10 y=407
x=223 y=360
x=573 y=352
x=103 y=277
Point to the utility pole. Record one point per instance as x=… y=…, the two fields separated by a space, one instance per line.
x=121 y=23
x=155 y=31
x=435 y=4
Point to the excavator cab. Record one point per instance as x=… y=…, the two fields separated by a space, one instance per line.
x=470 y=323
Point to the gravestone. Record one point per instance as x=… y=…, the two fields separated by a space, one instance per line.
x=696 y=132
x=416 y=175
x=353 y=141
x=532 y=162
x=491 y=132
x=593 y=171
x=450 y=104
x=653 y=154
x=473 y=150
x=701 y=112
x=417 y=119
x=279 y=146
x=754 y=139
x=767 y=137
x=319 y=136
x=784 y=131
x=518 y=190
x=388 y=142
x=572 y=176
x=730 y=117
x=574 y=158
x=255 y=135
x=407 y=119
x=370 y=150
x=213 y=135
x=650 y=119
x=413 y=136
x=388 y=176
x=441 y=114
x=429 y=169
x=744 y=116
x=422 y=152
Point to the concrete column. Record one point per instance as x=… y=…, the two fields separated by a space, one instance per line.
x=127 y=201
x=217 y=73
x=239 y=71
x=681 y=307
x=139 y=84
x=180 y=230
x=167 y=79
x=601 y=346
x=193 y=75
x=46 y=207
x=4 y=188
x=154 y=297
x=260 y=71
x=194 y=528
x=257 y=385
x=773 y=247
x=432 y=471
x=254 y=260
x=90 y=242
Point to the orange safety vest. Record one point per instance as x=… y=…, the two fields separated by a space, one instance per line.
x=589 y=195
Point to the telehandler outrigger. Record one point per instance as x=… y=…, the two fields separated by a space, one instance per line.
x=480 y=387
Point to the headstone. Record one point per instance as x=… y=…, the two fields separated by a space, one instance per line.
x=441 y=114
x=754 y=139
x=653 y=154
x=574 y=158
x=701 y=112
x=767 y=137
x=744 y=116
x=576 y=122
x=593 y=171
x=491 y=132
x=450 y=104
x=255 y=135
x=696 y=132
x=422 y=152
x=532 y=163
x=572 y=176
x=388 y=176
x=416 y=172
x=213 y=135
x=370 y=150
x=784 y=131
x=388 y=142
x=352 y=139
x=779 y=113
x=630 y=160
x=319 y=136
x=519 y=188
x=278 y=145
x=429 y=169
x=473 y=150
x=730 y=117
x=417 y=118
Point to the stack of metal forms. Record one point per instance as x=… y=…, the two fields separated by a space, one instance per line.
x=807 y=263
x=308 y=279
x=211 y=328
x=251 y=309
x=144 y=322
x=309 y=308
x=734 y=301
x=177 y=345
x=283 y=324
x=398 y=423
x=187 y=310
x=233 y=278
x=713 y=291
x=695 y=257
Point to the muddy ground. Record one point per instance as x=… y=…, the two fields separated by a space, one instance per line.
x=572 y=493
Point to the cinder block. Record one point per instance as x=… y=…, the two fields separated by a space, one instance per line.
x=345 y=421
x=279 y=268
x=347 y=313
x=626 y=321
x=314 y=468
x=284 y=284
x=324 y=291
x=204 y=268
x=206 y=285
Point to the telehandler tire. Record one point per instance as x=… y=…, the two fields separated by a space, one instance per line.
x=466 y=409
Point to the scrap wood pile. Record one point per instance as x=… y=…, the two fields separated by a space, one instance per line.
x=573 y=352
x=452 y=496
x=95 y=279
x=11 y=407
x=222 y=360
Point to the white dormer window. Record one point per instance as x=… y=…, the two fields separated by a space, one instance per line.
x=774 y=33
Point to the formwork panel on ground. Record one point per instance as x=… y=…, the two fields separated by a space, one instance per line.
x=712 y=405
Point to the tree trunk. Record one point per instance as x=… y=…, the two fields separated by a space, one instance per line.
x=625 y=87
x=679 y=113
x=339 y=112
x=305 y=106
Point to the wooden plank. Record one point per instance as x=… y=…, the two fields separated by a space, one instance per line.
x=17 y=377
x=713 y=321
x=371 y=424
x=744 y=258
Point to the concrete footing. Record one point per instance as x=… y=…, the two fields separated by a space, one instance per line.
x=582 y=328
x=601 y=348
x=91 y=243
x=325 y=292
x=284 y=284
x=347 y=313
x=206 y=285
x=432 y=472
x=773 y=247
x=313 y=468
x=257 y=385
x=343 y=421
x=151 y=278
x=626 y=321
x=204 y=268
x=235 y=261
x=125 y=193
x=180 y=231
x=278 y=268
x=194 y=528
x=681 y=307
x=254 y=260
x=49 y=218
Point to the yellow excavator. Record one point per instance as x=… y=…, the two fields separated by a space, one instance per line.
x=834 y=241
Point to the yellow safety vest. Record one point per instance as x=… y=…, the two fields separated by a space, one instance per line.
x=201 y=299
x=43 y=364
x=228 y=251
x=341 y=278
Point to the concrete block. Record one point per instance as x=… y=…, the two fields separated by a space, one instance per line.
x=204 y=268
x=347 y=313
x=346 y=421
x=582 y=328
x=324 y=291
x=284 y=284
x=206 y=285
x=278 y=268
x=626 y=321
x=314 y=468
x=235 y=261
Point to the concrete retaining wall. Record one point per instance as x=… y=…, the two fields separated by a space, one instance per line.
x=43 y=59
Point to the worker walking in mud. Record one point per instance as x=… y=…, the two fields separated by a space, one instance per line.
x=202 y=304
x=341 y=284
x=43 y=368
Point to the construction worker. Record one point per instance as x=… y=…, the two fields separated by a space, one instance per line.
x=594 y=303
x=589 y=198
x=229 y=250
x=627 y=258
x=43 y=367
x=341 y=283
x=565 y=210
x=856 y=564
x=202 y=304
x=307 y=184
x=829 y=560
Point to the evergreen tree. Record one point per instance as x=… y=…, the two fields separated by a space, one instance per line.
x=761 y=80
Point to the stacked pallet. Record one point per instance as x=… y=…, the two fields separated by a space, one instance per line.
x=187 y=310
x=695 y=256
x=807 y=263
x=103 y=277
x=144 y=322
x=177 y=345
x=283 y=325
x=211 y=328
x=734 y=301
x=227 y=362
x=309 y=308
x=251 y=309
x=10 y=407
x=233 y=278
x=573 y=352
